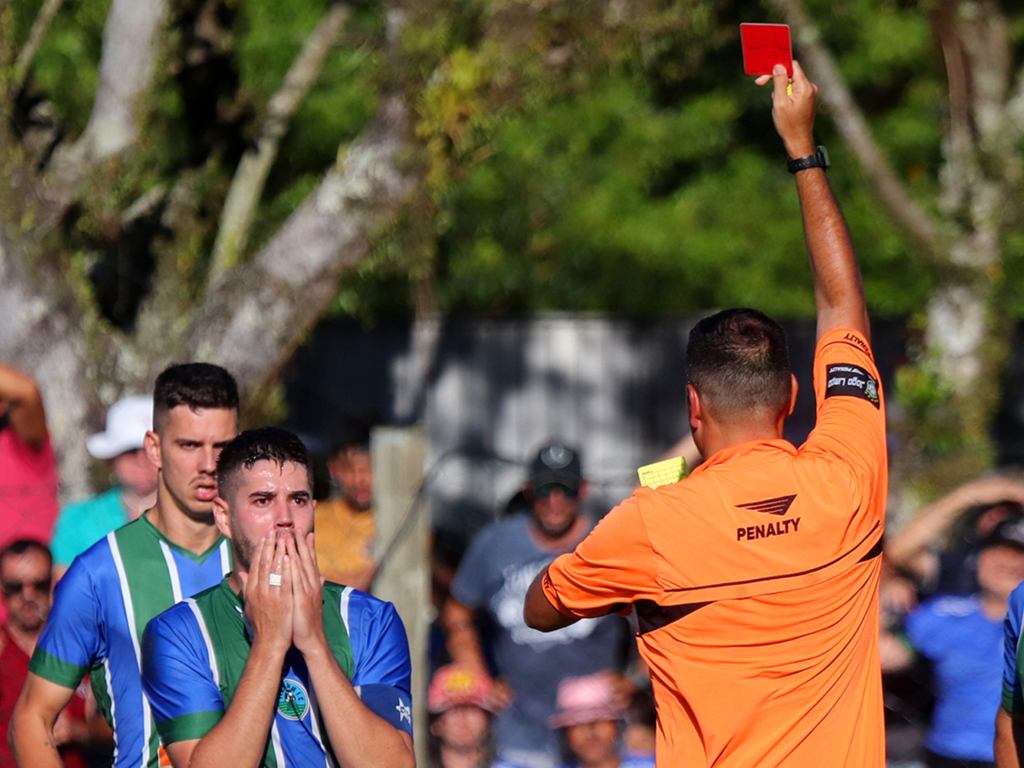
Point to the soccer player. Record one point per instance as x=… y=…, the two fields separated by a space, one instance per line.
x=1009 y=742
x=274 y=666
x=114 y=588
x=755 y=580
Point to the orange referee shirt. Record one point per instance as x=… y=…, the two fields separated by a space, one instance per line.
x=755 y=582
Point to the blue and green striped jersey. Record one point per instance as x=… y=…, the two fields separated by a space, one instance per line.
x=1013 y=653
x=195 y=653
x=100 y=608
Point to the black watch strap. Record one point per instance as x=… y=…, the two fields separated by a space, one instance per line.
x=818 y=160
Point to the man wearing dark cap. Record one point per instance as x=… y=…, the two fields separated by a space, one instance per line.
x=493 y=578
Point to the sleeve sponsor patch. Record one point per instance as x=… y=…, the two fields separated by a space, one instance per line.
x=845 y=379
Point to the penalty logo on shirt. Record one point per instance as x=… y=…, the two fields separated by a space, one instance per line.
x=292 y=700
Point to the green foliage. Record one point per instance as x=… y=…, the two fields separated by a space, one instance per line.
x=614 y=158
x=65 y=67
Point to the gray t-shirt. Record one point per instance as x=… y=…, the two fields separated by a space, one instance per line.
x=493 y=577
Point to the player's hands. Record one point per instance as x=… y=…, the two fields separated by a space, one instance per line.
x=269 y=608
x=307 y=590
x=793 y=113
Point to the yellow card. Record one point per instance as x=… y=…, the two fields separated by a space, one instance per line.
x=664 y=472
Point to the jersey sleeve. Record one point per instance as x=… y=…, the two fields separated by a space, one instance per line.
x=613 y=565
x=178 y=677
x=850 y=408
x=1013 y=699
x=70 y=643
x=382 y=670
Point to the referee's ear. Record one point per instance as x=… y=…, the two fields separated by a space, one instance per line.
x=792 y=397
x=696 y=407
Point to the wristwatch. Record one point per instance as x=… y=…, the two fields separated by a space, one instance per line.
x=818 y=160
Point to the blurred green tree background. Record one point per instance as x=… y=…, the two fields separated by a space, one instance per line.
x=606 y=156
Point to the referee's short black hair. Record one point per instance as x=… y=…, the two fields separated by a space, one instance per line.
x=196 y=385
x=263 y=444
x=738 y=362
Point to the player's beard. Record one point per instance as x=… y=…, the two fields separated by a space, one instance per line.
x=243 y=550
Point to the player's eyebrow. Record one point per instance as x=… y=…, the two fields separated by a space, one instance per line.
x=262 y=494
x=300 y=495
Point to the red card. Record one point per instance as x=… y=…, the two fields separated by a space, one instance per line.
x=764 y=46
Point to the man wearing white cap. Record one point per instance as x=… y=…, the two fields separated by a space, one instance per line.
x=83 y=524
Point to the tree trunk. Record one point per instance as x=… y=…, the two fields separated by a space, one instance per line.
x=252 y=321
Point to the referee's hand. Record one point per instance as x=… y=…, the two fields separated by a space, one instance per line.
x=793 y=113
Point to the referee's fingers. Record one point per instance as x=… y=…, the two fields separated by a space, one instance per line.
x=781 y=81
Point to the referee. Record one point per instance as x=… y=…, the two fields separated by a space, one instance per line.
x=755 y=580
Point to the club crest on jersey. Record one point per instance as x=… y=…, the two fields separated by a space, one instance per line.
x=292 y=700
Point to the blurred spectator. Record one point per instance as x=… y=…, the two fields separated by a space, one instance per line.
x=963 y=638
x=977 y=507
x=589 y=716
x=492 y=580
x=449 y=546
x=345 y=525
x=28 y=471
x=25 y=568
x=640 y=734
x=83 y=524
x=461 y=706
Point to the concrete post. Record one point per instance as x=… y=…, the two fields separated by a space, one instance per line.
x=397 y=455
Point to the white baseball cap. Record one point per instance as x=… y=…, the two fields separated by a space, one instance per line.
x=128 y=420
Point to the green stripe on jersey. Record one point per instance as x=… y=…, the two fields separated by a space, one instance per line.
x=194 y=725
x=149 y=583
x=335 y=629
x=56 y=670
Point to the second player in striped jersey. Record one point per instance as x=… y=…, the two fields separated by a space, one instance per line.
x=112 y=590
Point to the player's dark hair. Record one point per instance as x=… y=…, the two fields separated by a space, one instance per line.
x=738 y=362
x=253 y=445
x=21 y=546
x=196 y=385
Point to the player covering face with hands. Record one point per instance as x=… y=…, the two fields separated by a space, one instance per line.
x=275 y=666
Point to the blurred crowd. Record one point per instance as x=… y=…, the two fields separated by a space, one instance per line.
x=502 y=694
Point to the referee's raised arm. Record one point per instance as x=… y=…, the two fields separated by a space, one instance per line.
x=838 y=290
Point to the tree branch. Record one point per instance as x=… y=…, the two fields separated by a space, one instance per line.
x=268 y=304
x=852 y=125
x=131 y=42
x=39 y=29
x=251 y=175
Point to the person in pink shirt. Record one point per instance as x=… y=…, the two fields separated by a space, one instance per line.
x=28 y=470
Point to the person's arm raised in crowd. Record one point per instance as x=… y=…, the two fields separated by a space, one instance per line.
x=1009 y=743
x=908 y=550
x=239 y=739
x=838 y=290
x=25 y=406
x=359 y=737
x=461 y=635
x=463 y=643
x=30 y=734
